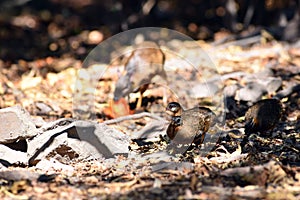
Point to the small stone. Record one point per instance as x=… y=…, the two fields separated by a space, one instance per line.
x=38 y=121
x=15 y=124
x=272 y=84
x=230 y=90
x=43 y=108
x=18 y=174
x=10 y=156
x=53 y=165
x=267 y=72
x=153 y=129
x=2 y=166
x=180 y=166
x=77 y=140
x=206 y=89
x=102 y=136
x=39 y=150
x=251 y=92
x=265 y=78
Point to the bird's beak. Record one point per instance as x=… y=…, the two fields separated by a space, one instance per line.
x=169 y=112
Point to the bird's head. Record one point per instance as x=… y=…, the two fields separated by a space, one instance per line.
x=174 y=109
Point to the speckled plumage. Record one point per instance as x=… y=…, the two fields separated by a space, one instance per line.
x=263 y=116
x=193 y=125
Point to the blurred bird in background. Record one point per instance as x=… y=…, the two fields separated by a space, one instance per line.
x=144 y=64
x=263 y=116
x=260 y=118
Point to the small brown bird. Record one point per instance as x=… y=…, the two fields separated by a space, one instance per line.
x=263 y=116
x=190 y=125
x=144 y=63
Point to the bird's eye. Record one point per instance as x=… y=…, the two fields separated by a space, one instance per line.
x=174 y=107
x=177 y=120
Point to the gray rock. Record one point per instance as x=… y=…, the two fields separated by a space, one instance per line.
x=39 y=121
x=43 y=108
x=265 y=78
x=2 y=166
x=18 y=174
x=10 y=156
x=156 y=161
x=267 y=72
x=115 y=141
x=58 y=145
x=56 y=124
x=290 y=88
x=55 y=165
x=252 y=92
x=272 y=84
x=179 y=166
x=15 y=124
x=230 y=90
x=152 y=130
x=206 y=89
x=77 y=140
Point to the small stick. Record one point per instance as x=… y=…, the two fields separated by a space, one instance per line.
x=131 y=117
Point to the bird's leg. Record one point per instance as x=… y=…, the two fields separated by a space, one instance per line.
x=165 y=97
x=140 y=100
x=142 y=89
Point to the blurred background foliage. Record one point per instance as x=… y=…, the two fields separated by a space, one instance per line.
x=32 y=29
